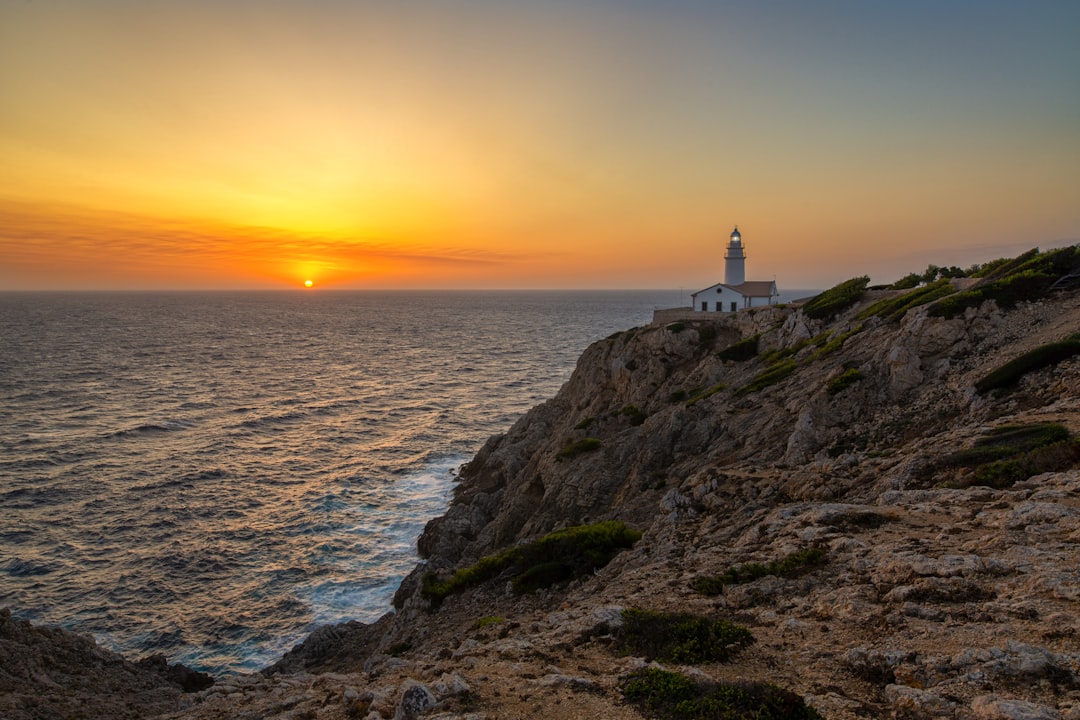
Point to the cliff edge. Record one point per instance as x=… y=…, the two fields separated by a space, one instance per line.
x=882 y=487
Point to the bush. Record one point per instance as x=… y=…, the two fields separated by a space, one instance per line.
x=1005 y=442
x=748 y=572
x=560 y=555
x=844 y=380
x=675 y=327
x=744 y=349
x=1012 y=453
x=582 y=446
x=836 y=343
x=680 y=637
x=836 y=299
x=894 y=308
x=584 y=424
x=673 y=696
x=637 y=417
x=1026 y=278
x=1048 y=458
x=707 y=393
x=769 y=376
x=1043 y=356
x=677 y=396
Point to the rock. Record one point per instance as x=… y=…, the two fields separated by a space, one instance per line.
x=416 y=698
x=992 y=707
x=919 y=703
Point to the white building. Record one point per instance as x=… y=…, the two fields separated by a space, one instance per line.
x=735 y=293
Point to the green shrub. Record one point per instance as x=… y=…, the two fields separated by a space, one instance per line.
x=399 y=649
x=677 y=396
x=769 y=376
x=836 y=299
x=580 y=447
x=737 y=574
x=584 y=424
x=558 y=556
x=1047 y=458
x=707 y=393
x=680 y=637
x=1042 y=356
x=836 y=343
x=907 y=282
x=745 y=349
x=673 y=696
x=1028 y=277
x=894 y=308
x=637 y=417
x=675 y=327
x=488 y=620
x=844 y=380
x=1012 y=453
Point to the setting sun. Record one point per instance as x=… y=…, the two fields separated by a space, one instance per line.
x=308 y=283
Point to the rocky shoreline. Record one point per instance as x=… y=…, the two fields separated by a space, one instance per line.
x=939 y=593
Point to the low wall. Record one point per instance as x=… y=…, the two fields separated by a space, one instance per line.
x=670 y=315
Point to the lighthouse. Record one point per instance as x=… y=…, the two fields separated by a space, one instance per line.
x=735 y=260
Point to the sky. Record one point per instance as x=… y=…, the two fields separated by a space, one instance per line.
x=443 y=144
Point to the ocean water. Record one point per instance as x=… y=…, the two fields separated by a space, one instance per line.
x=212 y=475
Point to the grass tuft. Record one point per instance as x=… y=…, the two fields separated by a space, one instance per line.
x=748 y=572
x=1042 y=356
x=745 y=349
x=836 y=299
x=580 y=447
x=680 y=637
x=669 y=695
x=558 y=556
x=844 y=380
x=769 y=376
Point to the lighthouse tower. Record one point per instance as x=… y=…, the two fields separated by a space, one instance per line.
x=735 y=260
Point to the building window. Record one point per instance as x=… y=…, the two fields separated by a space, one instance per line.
x=719 y=306
x=734 y=306
x=704 y=306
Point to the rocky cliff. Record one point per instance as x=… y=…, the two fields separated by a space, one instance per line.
x=922 y=452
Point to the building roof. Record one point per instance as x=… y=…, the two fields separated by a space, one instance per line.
x=751 y=288
x=756 y=288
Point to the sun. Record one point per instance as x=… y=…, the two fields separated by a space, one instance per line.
x=308 y=283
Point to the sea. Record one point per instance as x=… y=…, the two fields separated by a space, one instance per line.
x=212 y=475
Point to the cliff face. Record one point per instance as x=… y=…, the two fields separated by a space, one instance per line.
x=945 y=588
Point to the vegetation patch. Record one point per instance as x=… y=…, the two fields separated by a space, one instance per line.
x=707 y=393
x=680 y=637
x=844 y=380
x=894 y=308
x=748 y=572
x=489 y=620
x=399 y=649
x=1012 y=453
x=836 y=343
x=670 y=695
x=1027 y=278
x=836 y=299
x=556 y=557
x=677 y=396
x=637 y=417
x=1042 y=356
x=580 y=447
x=584 y=424
x=745 y=349
x=675 y=327
x=769 y=376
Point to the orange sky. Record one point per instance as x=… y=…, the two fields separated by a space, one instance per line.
x=528 y=144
